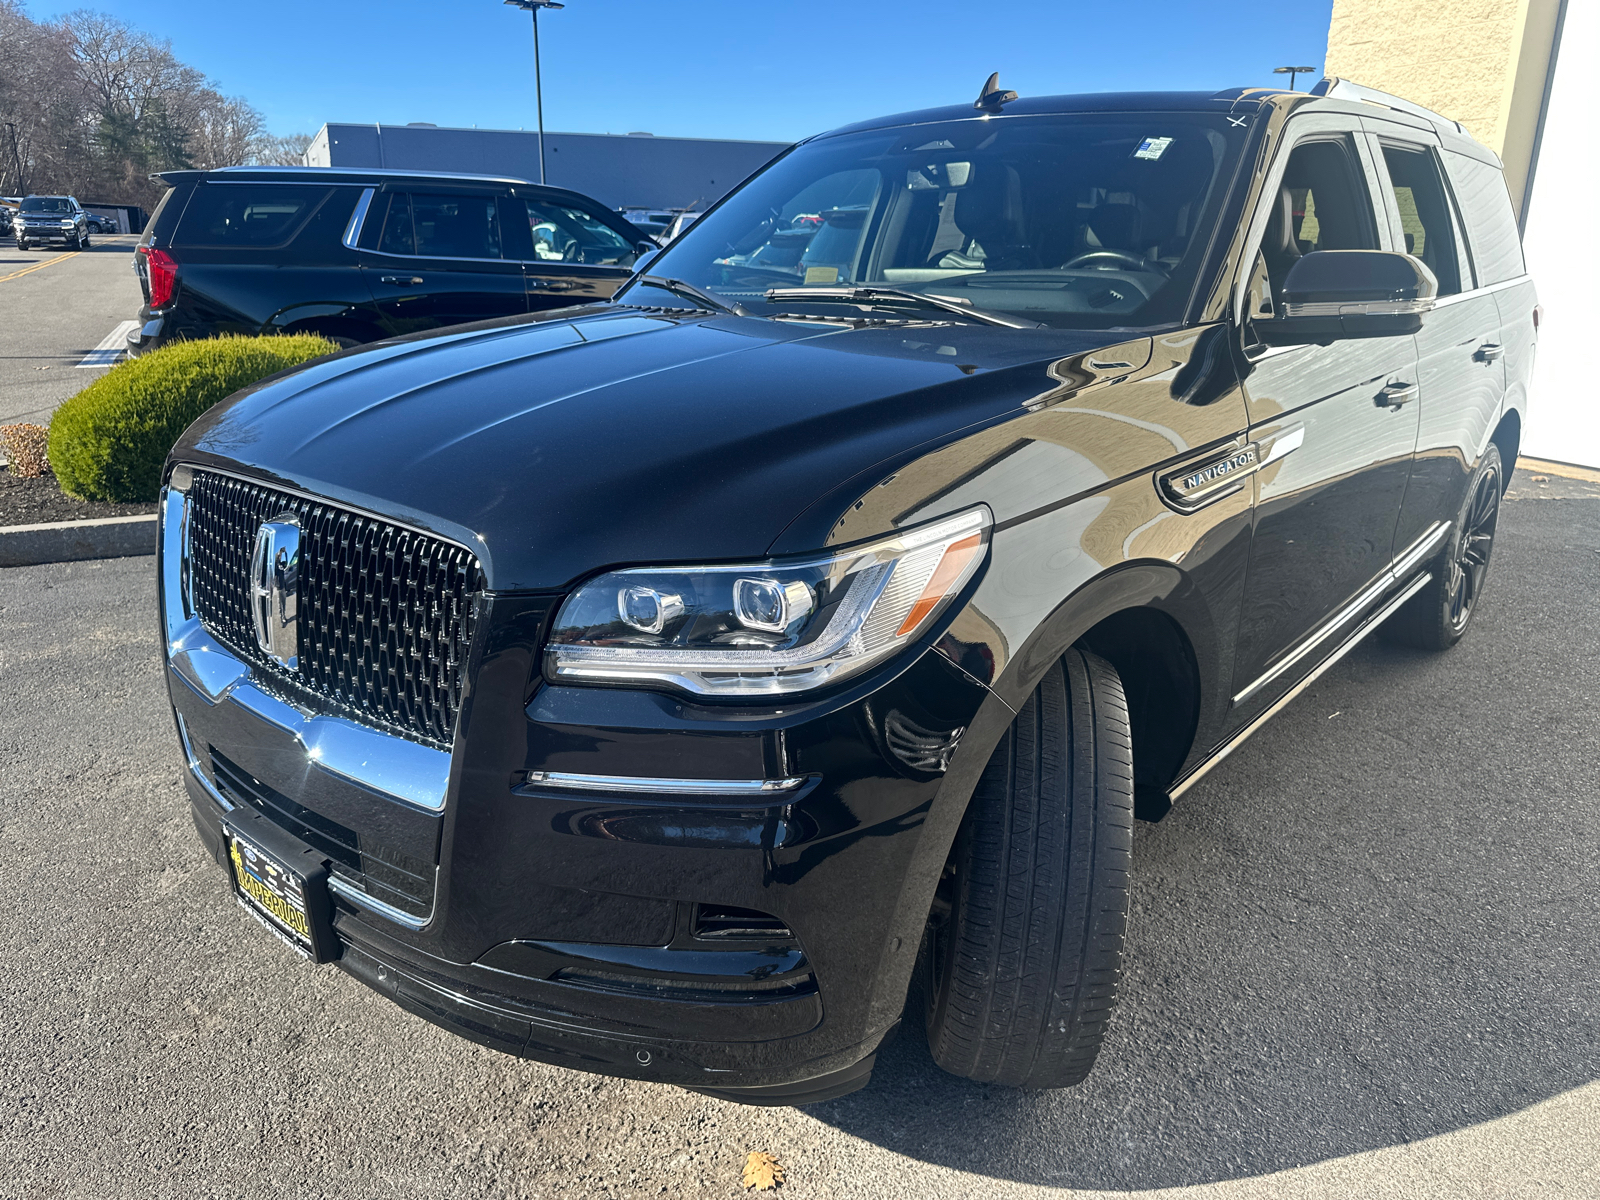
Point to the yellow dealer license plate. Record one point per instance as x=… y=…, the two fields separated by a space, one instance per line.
x=270 y=890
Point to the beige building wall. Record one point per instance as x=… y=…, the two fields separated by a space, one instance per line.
x=1480 y=62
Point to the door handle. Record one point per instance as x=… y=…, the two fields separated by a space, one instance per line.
x=402 y=280
x=1395 y=395
x=550 y=285
x=1488 y=352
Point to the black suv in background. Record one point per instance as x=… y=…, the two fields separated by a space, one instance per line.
x=362 y=255
x=41 y=220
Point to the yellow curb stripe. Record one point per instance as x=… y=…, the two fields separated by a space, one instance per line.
x=39 y=266
x=1540 y=466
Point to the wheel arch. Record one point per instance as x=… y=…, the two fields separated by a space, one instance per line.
x=335 y=325
x=1507 y=436
x=1133 y=616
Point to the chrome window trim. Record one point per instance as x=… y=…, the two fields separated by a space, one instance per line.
x=651 y=785
x=514 y=262
x=1414 y=554
x=1489 y=290
x=358 y=218
x=343 y=887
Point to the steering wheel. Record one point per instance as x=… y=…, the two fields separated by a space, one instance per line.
x=1108 y=260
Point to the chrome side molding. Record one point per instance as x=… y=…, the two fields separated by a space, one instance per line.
x=1402 y=566
x=1184 y=783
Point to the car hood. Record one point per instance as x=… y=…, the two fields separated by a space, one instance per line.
x=555 y=446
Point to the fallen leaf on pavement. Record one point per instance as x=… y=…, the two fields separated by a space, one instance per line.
x=762 y=1172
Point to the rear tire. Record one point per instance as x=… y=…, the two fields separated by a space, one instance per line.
x=1024 y=953
x=1438 y=616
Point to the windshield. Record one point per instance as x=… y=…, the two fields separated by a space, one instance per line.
x=1093 y=221
x=46 y=204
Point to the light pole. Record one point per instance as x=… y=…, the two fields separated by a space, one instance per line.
x=533 y=6
x=1291 y=72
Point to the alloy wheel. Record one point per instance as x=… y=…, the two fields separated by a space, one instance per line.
x=1471 y=562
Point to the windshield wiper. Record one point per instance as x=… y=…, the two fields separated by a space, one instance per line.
x=860 y=295
x=689 y=292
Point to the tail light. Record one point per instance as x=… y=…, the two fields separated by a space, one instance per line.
x=162 y=272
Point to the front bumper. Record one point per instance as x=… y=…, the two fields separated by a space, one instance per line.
x=568 y=924
x=43 y=236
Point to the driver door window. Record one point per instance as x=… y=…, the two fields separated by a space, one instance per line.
x=572 y=256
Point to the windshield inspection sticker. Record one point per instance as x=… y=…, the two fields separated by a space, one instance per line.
x=1152 y=148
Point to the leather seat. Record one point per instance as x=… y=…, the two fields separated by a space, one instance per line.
x=1278 y=244
x=989 y=210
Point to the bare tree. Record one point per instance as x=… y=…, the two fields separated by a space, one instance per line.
x=281 y=150
x=93 y=106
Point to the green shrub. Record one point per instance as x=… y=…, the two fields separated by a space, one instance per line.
x=108 y=442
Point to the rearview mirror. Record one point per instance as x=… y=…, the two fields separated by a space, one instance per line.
x=1334 y=294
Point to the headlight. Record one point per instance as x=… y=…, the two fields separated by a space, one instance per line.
x=771 y=628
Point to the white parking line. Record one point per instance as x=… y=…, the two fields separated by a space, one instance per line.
x=105 y=354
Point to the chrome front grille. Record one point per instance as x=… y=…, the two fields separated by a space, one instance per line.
x=385 y=612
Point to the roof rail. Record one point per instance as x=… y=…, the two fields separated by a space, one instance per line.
x=1334 y=88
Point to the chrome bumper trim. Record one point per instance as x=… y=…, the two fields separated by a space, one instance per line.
x=404 y=771
x=569 y=781
x=360 y=899
x=192 y=761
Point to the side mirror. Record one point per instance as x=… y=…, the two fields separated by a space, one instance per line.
x=647 y=251
x=647 y=246
x=1330 y=295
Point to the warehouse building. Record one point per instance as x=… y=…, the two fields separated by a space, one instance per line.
x=623 y=171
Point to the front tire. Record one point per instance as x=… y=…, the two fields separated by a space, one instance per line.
x=1024 y=952
x=1438 y=616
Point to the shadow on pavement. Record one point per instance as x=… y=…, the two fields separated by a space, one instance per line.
x=1374 y=925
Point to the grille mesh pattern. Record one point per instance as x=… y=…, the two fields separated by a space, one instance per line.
x=385 y=613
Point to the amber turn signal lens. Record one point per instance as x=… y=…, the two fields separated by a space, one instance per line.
x=951 y=568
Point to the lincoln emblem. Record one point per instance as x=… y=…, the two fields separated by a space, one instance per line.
x=275 y=589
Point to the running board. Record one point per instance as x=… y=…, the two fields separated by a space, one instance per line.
x=1350 y=643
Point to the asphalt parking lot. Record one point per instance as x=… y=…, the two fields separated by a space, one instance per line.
x=1363 y=963
x=56 y=307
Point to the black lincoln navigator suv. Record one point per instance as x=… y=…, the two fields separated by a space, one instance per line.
x=652 y=686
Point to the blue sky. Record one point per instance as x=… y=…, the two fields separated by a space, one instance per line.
x=706 y=68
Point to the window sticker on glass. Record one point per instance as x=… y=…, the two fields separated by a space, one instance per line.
x=1152 y=148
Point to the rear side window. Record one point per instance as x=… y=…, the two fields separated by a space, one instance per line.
x=256 y=216
x=1424 y=210
x=442 y=226
x=1491 y=224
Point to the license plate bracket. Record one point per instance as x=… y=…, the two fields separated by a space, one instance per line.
x=283 y=884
